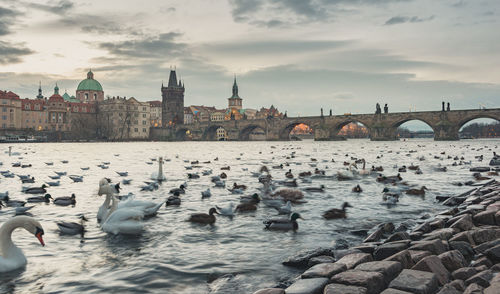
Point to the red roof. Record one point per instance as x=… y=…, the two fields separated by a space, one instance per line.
x=155 y=103
x=8 y=95
x=31 y=103
x=56 y=98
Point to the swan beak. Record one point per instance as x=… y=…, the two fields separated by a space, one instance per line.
x=39 y=236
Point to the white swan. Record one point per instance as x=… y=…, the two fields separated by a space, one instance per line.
x=364 y=171
x=108 y=190
x=159 y=176
x=11 y=257
x=149 y=208
x=346 y=174
x=124 y=220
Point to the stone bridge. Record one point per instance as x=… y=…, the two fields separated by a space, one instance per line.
x=381 y=127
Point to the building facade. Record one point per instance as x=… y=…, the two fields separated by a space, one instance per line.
x=217 y=115
x=172 y=101
x=11 y=107
x=124 y=119
x=235 y=105
x=155 y=113
x=188 y=116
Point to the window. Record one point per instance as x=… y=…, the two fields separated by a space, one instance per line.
x=86 y=96
x=4 y=101
x=144 y=115
x=95 y=96
x=144 y=108
x=4 y=117
x=136 y=130
x=143 y=122
x=143 y=130
x=37 y=106
x=26 y=106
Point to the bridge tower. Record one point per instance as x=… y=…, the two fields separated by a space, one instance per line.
x=172 y=101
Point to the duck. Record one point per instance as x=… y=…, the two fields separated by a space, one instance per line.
x=285 y=209
x=226 y=211
x=357 y=189
x=223 y=175
x=4 y=194
x=65 y=201
x=180 y=190
x=159 y=176
x=122 y=174
x=283 y=224
x=61 y=173
x=305 y=174
x=315 y=189
x=193 y=176
x=28 y=180
x=72 y=228
x=126 y=181
x=241 y=187
x=76 y=178
x=220 y=184
x=173 y=200
x=55 y=177
x=254 y=198
x=12 y=257
x=203 y=218
x=226 y=168
x=13 y=203
x=479 y=177
x=418 y=192
x=206 y=172
x=49 y=163
x=85 y=168
x=292 y=183
x=289 y=174
x=336 y=213
x=402 y=169
x=53 y=184
x=317 y=171
x=37 y=199
x=206 y=193
x=36 y=190
x=289 y=194
x=248 y=204
x=127 y=220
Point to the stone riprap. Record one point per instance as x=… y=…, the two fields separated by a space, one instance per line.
x=456 y=251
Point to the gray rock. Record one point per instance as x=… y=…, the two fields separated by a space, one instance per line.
x=324 y=270
x=372 y=281
x=352 y=260
x=437 y=224
x=452 y=260
x=343 y=252
x=493 y=254
x=394 y=291
x=486 y=235
x=465 y=236
x=448 y=289
x=366 y=248
x=458 y=284
x=389 y=249
x=424 y=228
x=464 y=248
x=413 y=281
x=482 y=279
x=481 y=248
x=301 y=259
x=320 y=259
x=307 y=286
x=482 y=261
x=485 y=217
x=270 y=291
x=464 y=273
x=433 y=264
x=435 y=246
x=417 y=255
x=442 y=234
x=398 y=236
x=389 y=269
x=403 y=257
x=343 y=289
x=474 y=289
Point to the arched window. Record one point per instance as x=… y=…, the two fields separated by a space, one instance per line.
x=86 y=96
x=95 y=96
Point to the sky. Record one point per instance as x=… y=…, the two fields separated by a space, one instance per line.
x=298 y=55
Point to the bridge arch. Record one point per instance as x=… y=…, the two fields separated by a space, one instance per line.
x=338 y=127
x=398 y=124
x=476 y=116
x=212 y=133
x=246 y=133
x=183 y=134
x=285 y=132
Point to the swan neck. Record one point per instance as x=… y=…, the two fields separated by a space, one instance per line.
x=6 y=234
x=160 y=169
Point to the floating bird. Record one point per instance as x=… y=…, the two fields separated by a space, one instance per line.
x=285 y=209
x=76 y=178
x=283 y=224
x=21 y=210
x=180 y=190
x=159 y=176
x=36 y=199
x=65 y=201
x=419 y=192
x=335 y=213
x=53 y=184
x=11 y=257
x=85 y=168
x=226 y=211
x=220 y=184
x=203 y=218
x=72 y=228
x=127 y=220
x=55 y=177
x=173 y=200
x=126 y=181
x=315 y=189
x=13 y=203
x=206 y=193
x=122 y=174
x=4 y=194
x=61 y=173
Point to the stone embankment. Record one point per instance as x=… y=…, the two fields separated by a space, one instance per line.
x=457 y=251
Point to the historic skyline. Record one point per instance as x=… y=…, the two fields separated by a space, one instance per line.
x=330 y=53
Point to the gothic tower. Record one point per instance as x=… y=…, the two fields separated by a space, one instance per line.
x=172 y=101
x=234 y=102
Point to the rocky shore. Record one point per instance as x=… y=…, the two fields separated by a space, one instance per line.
x=456 y=251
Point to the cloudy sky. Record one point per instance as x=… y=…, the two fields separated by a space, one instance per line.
x=299 y=55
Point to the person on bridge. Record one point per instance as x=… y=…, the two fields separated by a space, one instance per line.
x=386 y=108
x=448 y=107
x=443 y=106
x=377 y=109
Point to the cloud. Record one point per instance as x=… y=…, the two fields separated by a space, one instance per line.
x=405 y=19
x=7 y=17
x=12 y=52
x=59 y=8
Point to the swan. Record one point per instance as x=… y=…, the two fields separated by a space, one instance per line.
x=364 y=171
x=11 y=257
x=108 y=190
x=345 y=174
x=226 y=211
x=159 y=176
x=149 y=208
x=124 y=220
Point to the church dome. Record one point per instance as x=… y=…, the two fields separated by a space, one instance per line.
x=89 y=84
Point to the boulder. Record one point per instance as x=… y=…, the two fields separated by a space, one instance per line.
x=481 y=248
x=389 y=269
x=448 y=289
x=437 y=224
x=366 y=247
x=372 y=281
x=307 y=286
x=414 y=236
x=424 y=228
x=482 y=279
x=398 y=236
x=394 y=291
x=352 y=260
x=375 y=236
x=482 y=261
x=486 y=217
x=343 y=289
x=481 y=268
x=452 y=260
x=402 y=257
x=474 y=289
x=497 y=218
x=464 y=248
x=320 y=259
x=465 y=236
x=458 y=284
x=417 y=255
x=301 y=259
x=486 y=235
x=324 y=270
x=434 y=246
x=493 y=254
x=413 y=281
x=464 y=223
x=389 y=249
x=433 y=264
x=464 y=273
x=343 y=252
x=270 y=291
x=442 y=234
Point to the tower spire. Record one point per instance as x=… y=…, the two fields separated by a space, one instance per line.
x=39 y=96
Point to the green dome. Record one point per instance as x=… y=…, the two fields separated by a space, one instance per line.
x=89 y=84
x=66 y=97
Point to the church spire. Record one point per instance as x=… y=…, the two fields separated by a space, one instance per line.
x=56 y=90
x=39 y=96
x=235 y=89
x=172 y=80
